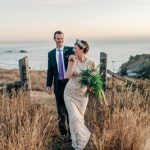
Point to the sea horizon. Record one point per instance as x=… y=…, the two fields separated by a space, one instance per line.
x=118 y=51
x=107 y=39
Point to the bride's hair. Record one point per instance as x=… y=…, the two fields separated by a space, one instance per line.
x=86 y=49
x=83 y=45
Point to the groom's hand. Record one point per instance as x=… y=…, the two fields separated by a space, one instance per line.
x=49 y=90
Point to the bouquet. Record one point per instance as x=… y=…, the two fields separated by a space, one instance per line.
x=91 y=79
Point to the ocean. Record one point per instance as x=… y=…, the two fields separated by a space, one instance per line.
x=118 y=52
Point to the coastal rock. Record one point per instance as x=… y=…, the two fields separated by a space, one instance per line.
x=23 y=51
x=137 y=66
x=9 y=51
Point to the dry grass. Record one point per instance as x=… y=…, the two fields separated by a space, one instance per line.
x=25 y=124
x=38 y=80
x=9 y=75
x=123 y=125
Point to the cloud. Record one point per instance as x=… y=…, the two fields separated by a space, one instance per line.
x=60 y=1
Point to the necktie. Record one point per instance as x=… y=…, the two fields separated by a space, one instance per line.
x=60 y=65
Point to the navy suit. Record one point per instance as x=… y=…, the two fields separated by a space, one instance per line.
x=59 y=85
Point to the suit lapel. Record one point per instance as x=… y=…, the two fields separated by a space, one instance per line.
x=55 y=61
x=65 y=57
x=64 y=52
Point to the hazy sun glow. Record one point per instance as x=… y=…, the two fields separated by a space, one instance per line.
x=39 y=19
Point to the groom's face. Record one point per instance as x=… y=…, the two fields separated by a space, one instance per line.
x=59 y=39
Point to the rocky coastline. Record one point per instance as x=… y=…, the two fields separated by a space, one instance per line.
x=137 y=66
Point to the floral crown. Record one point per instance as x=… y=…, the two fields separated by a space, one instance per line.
x=80 y=43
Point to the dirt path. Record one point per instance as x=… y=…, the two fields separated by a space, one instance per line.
x=147 y=145
x=49 y=101
x=45 y=99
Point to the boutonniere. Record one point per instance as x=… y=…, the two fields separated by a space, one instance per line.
x=65 y=50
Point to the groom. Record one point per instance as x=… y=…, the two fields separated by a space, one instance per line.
x=57 y=64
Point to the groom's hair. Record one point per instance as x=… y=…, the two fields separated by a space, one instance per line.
x=58 y=32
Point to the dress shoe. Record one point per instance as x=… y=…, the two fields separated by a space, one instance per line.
x=65 y=138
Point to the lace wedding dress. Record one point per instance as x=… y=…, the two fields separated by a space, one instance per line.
x=76 y=103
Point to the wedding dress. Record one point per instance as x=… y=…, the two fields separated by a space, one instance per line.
x=76 y=103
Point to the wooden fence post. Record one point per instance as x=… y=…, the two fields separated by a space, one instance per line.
x=24 y=74
x=103 y=68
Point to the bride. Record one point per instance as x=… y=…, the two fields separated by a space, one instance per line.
x=74 y=95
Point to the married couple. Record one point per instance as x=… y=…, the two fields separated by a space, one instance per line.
x=64 y=66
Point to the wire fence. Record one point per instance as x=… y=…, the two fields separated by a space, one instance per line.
x=15 y=66
x=37 y=74
x=112 y=65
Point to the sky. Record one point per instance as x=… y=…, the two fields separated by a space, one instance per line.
x=37 y=20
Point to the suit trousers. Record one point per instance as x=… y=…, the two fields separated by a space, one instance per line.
x=61 y=108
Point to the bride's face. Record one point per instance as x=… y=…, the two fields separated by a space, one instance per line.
x=78 y=51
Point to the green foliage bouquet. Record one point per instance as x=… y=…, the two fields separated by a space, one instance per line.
x=91 y=79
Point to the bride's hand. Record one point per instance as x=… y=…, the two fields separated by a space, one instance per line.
x=72 y=58
x=83 y=89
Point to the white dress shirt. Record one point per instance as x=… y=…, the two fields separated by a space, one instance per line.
x=57 y=57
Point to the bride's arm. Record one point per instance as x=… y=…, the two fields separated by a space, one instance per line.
x=71 y=66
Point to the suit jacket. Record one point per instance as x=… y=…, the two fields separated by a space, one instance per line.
x=52 y=71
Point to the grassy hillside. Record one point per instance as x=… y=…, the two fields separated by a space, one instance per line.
x=32 y=124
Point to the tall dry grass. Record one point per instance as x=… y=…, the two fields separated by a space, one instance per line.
x=123 y=125
x=25 y=125
x=38 y=78
x=9 y=75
